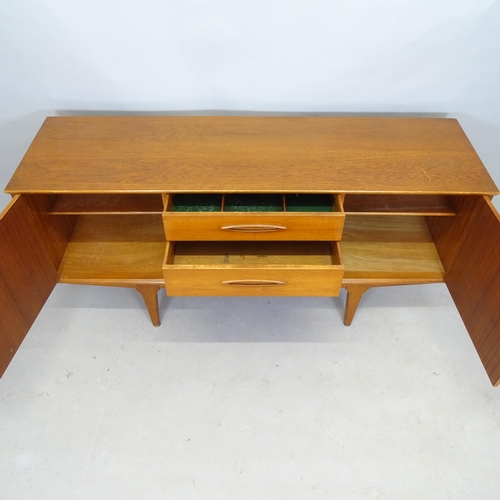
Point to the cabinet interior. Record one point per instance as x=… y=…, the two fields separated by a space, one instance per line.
x=400 y=204
x=380 y=246
x=121 y=236
x=104 y=203
x=114 y=247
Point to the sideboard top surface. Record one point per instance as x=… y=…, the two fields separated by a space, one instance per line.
x=109 y=154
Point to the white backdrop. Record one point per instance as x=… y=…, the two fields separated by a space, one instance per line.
x=389 y=56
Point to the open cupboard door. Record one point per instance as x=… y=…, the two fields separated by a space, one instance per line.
x=469 y=247
x=27 y=277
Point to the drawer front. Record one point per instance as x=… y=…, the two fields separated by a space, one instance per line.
x=252 y=227
x=319 y=281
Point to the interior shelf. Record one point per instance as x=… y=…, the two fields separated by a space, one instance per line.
x=114 y=247
x=132 y=247
x=400 y=204
x=96 y=204
x=381 y=246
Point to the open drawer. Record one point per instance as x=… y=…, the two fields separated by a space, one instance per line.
x=250 y=217
x=253 y=268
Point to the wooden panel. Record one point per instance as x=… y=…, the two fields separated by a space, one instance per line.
x=55 y=232
x=105 y=203
x=381 y=246
x=473 y=278
x=114 y=247
x=447 y=231
x=296 y=282
x=249 y=227
x=284 y=270
x=251 y=154
x=408 y=204
x=27 y=277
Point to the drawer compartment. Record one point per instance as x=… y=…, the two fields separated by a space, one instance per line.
x=253 y=268
x=250 y=217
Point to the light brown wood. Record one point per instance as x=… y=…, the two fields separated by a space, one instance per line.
x=27 y=276
x=356 y=288
x=238 y=253
x=150 y=295
x=209 y=281
x=158 y=154
x=265 y=268
x=354 y=294
x=216 y=226
x=114 y=247
x=93 y=191
x=252 y=226
x=382 y=246
x=473 y=278
x=447 y=231
x=54 y=232
x=105 y=203
x=399 y=204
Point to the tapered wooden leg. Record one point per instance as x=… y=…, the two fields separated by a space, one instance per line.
x=150 y=295
x=354 y=294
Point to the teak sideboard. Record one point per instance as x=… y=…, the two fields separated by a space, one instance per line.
x=251 y=206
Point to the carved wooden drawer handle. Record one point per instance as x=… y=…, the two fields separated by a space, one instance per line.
x=254 y=228
x=253 y=282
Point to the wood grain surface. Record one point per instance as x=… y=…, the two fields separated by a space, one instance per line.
x=238 y=226
x=253 y=269
x=251 y=154
x=27 y=277
x=473 y=278
x=110 y=248
x=382 y=246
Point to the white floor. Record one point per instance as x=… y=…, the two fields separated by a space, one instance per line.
x=248 y=399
